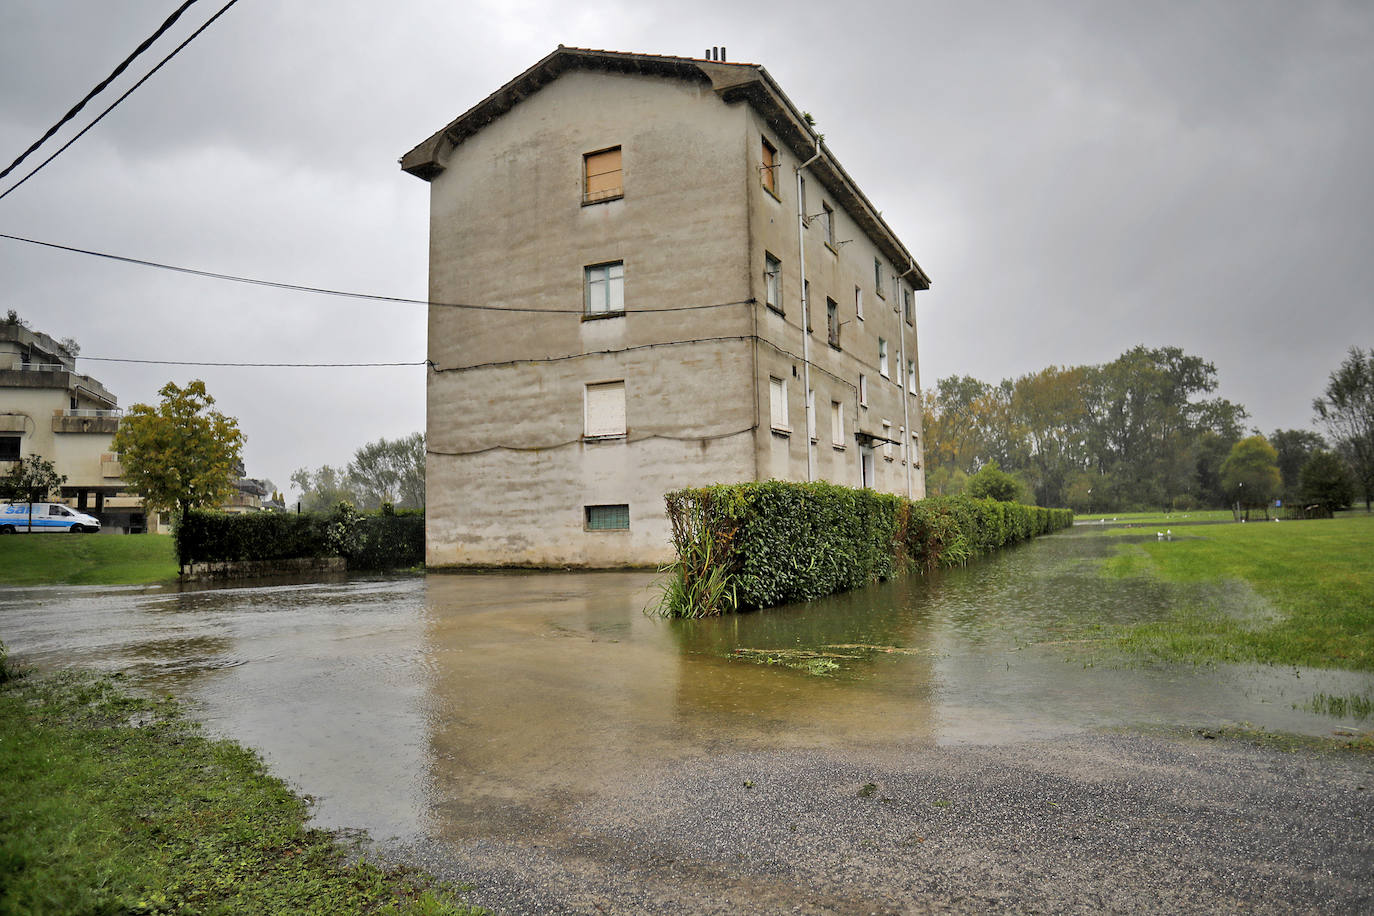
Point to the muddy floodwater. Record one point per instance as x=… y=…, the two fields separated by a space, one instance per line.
x=444 y=705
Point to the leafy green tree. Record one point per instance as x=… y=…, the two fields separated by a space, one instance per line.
x=390 y=471
x=324 y=488
x=381 y=472
x=180 y=454
x=1295 y=447
x=1326 y=481
x=31 y=480
x=1346 y=408
x=1250 y=474
x=991 y=482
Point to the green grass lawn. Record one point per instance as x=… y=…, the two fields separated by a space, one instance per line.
x=1317 y=576
x=114 y=804
x=86 y=559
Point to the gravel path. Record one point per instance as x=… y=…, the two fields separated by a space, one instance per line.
x=1092 y=823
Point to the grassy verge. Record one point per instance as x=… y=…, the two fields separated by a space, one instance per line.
x=114 y=804
x=86 y=559
x=1317 y=576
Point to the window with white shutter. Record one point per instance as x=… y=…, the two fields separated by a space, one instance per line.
x=777 y=403
x=605 y=410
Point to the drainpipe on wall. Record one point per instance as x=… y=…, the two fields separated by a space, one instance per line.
x=806 y=317
x=902 y=378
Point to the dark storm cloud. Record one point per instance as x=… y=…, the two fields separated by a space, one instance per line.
x=1076 y=177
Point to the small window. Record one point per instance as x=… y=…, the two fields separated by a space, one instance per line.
x=606 y=289
x=9 y=448
x=832 y=322
x=828 y=224
x=906 y=305
x=601 y=176
x=777 y=404
x=801 y=184
x=882 y=357
x=911 y=376
x=878 y=278
x=768 y=171
x=604 y=410
x=863 y=390
x=811 y=415
x=887 y=443
x=859 y=302
x=608 y=518
x=806 y=303
x=772 y=282
x=837 y=424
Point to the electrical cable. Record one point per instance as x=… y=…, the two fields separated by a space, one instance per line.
x=627 y=439
x=100 y=87
x=346 y=294
x=172 y=362
x=128 y=92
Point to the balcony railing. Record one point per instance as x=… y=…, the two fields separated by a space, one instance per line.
x=39 y=367
x=91 y=412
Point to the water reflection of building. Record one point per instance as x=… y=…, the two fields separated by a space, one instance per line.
x=765 y=680
x=688 y=288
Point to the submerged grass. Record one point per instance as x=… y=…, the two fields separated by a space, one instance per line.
x=86 y=559
x=1317 y=578
x=1356 y=706
x=116 y=804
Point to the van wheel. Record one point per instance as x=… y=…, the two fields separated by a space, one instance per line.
x=6 y=529
x=76 y=529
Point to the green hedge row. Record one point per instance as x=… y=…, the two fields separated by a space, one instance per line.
x=752 y=545
x=367 y=542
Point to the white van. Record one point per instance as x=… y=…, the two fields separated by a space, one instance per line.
x=14 y=518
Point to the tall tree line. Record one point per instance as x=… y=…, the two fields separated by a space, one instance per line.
x=1139 y=432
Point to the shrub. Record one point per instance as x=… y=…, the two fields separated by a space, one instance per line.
x=753 y=545
x=370 y=542
x=991 y=482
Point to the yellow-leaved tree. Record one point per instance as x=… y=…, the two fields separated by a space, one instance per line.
x=180 y=454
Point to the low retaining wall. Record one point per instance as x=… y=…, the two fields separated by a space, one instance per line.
x=258 y=569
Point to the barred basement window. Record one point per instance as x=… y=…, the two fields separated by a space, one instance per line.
x=608 y=518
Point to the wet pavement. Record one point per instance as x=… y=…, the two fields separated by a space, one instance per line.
x=540 y=734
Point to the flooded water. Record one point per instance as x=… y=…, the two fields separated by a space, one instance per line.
x=449 y=704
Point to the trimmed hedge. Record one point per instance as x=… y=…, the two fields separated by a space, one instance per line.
x=753 y=545
x=370 y=542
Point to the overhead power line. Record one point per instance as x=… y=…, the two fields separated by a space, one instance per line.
x=100 y=87
x=347 y=294
x=178 y=362
x=128 y=92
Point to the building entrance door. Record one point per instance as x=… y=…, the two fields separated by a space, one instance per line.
x=866 y=466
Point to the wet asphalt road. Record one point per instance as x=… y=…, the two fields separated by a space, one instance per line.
x=1088 y=824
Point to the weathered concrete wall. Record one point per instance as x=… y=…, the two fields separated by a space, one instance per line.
x=840 y=271
x=260 y=569
x=509 y=471
x=509 y=475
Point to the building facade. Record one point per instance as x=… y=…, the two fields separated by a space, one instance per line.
x=646 y=273
x=49 y=409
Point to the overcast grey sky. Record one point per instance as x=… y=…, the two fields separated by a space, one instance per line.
x=1077 y=178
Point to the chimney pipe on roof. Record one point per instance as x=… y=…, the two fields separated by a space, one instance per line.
x=722 y=52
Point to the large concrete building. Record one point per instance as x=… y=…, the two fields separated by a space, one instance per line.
x=646 y=273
